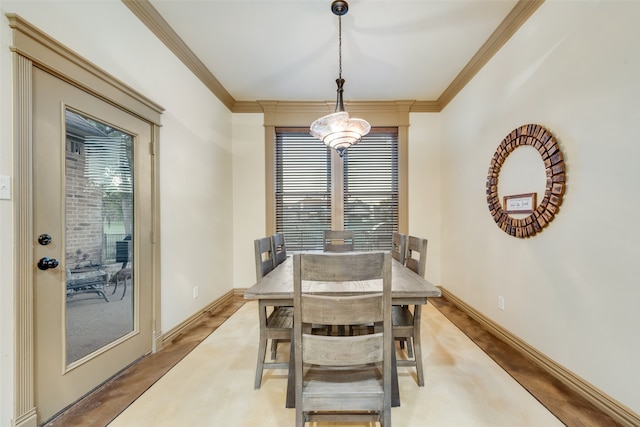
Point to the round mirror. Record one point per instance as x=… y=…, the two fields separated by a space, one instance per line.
x=518 y=205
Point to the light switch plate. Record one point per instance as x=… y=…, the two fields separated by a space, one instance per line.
x=5 y=187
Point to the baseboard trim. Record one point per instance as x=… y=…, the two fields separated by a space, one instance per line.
x=605 y=403
x=186 y=324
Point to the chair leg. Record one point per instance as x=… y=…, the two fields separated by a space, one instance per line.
x=262 y=352
x=274 y=349
x=409 y=347
x=262 y=345
x=299 y=417
x=124 y=288
x=417 y=346
x=124 y=284
x=385 y=419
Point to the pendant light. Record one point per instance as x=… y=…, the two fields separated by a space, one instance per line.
x=337 y=130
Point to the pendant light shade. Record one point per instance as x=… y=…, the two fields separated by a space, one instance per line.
x=337 y=130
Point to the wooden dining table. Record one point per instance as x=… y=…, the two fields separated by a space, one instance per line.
x=407 y=288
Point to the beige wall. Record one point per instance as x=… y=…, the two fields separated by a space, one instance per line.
x=195 y=158
x=6 y=234
x=572 y=291
x=249 y=189
x=248 y=194
x=425 y=187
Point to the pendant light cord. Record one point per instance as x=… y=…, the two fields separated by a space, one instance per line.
x=340 y=46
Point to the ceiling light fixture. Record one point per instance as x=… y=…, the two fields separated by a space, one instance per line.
x=337 y=130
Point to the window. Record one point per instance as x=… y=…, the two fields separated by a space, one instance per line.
x=303 y=199
x=371 y=190
x=302 y=188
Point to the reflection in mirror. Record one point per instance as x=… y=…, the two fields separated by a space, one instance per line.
x=522 y=172
x=99 y=230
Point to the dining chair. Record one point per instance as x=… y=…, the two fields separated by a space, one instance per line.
x=279 y=248
x=265 y=261
x=275 y=325
x=416 y=258
x=406 y=319
x=342 y=377
x=398 y=251
x=337 y=240
x=279 y=251
x=399 y=246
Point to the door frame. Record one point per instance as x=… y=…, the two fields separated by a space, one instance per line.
x=33 y=48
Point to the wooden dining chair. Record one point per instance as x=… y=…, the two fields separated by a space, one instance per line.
x=279 y=248
x=265 y=261
x=275 y=325
x=337 y=241
x=406 y=319
x=342 y=377
x=416 y=258
x=399 y=246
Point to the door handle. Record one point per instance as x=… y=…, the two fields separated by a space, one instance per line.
x=47 y=263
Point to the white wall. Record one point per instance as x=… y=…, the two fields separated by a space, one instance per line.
x=195 y=157
x=572 y=291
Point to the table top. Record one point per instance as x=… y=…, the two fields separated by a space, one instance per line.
x=405 y=284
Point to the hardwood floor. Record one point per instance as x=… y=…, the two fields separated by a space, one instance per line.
x=101 y=406
x=571 y=408
x=105 y=403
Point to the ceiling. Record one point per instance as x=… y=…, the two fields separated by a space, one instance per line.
x=287 y=50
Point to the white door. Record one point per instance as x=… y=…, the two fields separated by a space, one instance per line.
x=92 y=180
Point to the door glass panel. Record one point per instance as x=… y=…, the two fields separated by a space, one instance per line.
x=99 y=235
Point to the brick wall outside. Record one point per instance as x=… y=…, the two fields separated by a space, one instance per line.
x=84 y=219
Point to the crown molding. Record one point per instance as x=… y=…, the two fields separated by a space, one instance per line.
x=426 y=107
x=303 y=113
x=246 y=107
x=520 y=13
x=149 y=16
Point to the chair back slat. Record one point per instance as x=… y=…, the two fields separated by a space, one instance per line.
x=279 y=249
x=338 y=240
x=347 y=310
x=263 y=257
x=399 y=246
x=416 y=259
x=343 y=351
x=340 y=267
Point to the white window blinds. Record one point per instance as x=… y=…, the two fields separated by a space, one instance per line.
x=371 y=190
x=303 y=189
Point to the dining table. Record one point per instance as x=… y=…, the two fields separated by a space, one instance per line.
x=276 y=289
